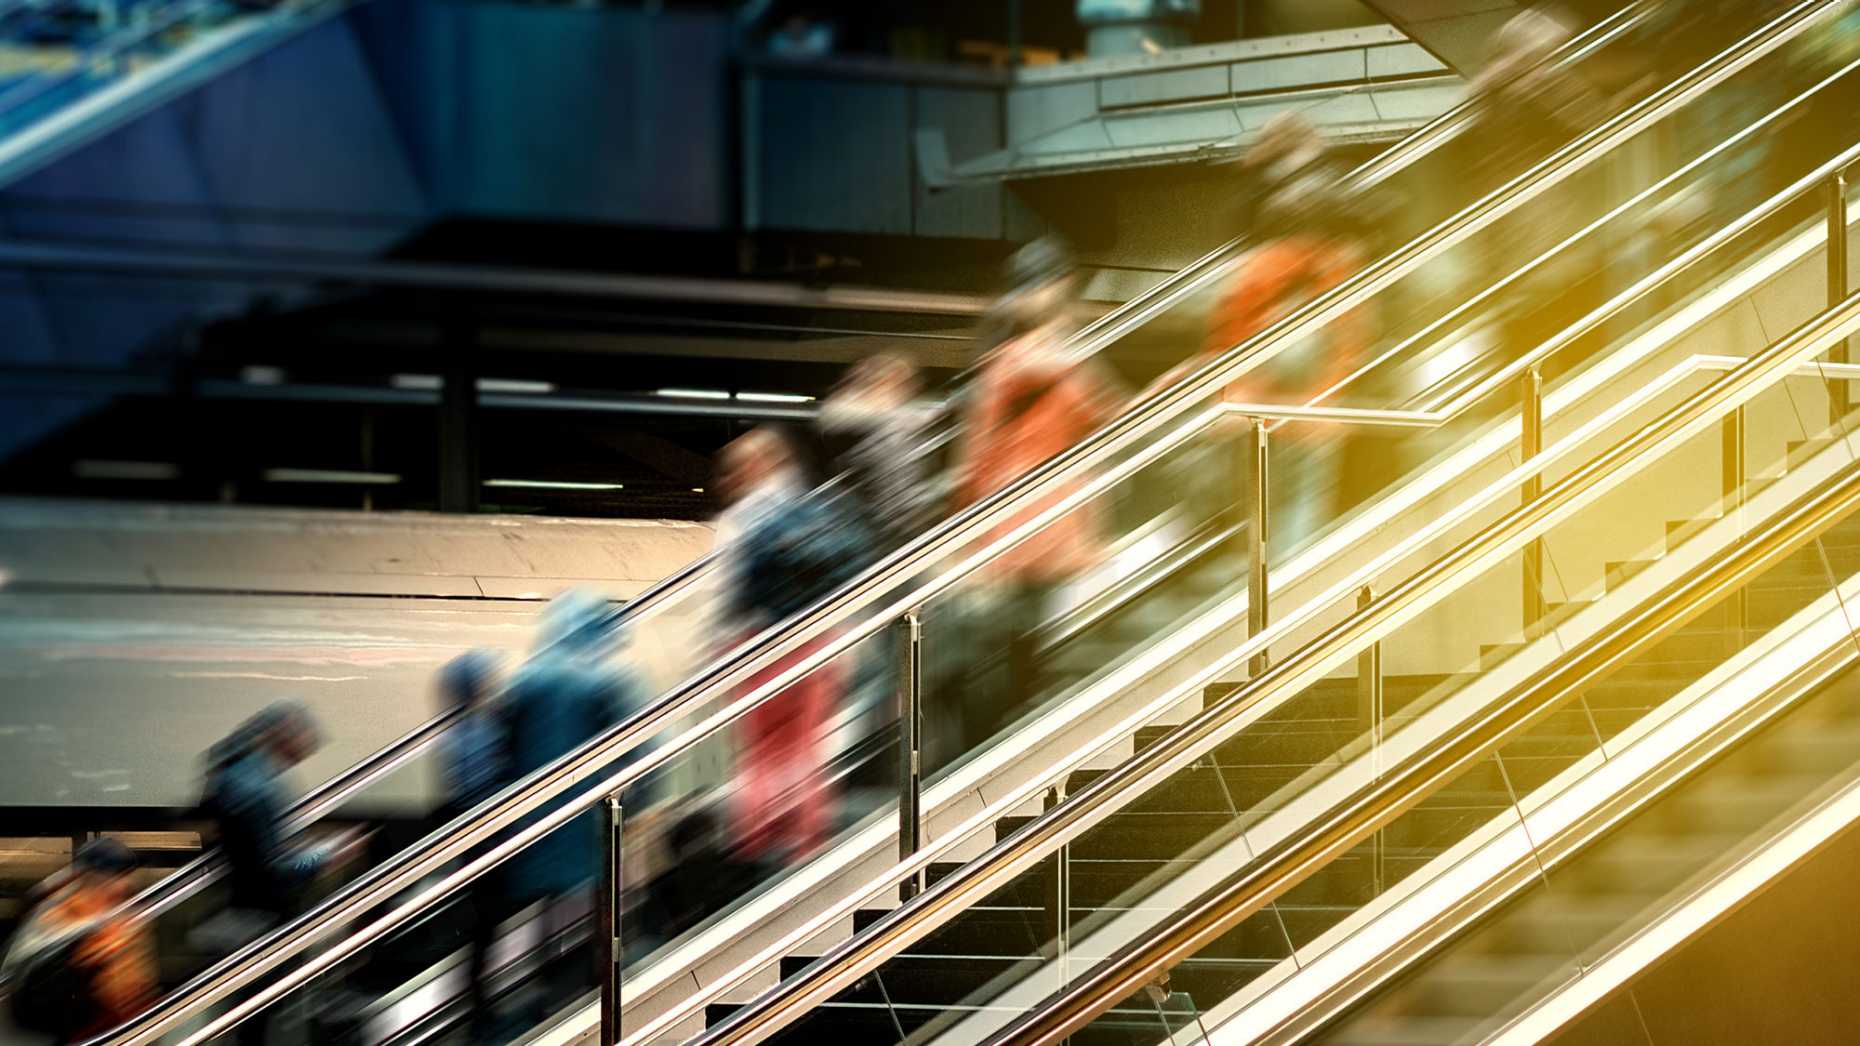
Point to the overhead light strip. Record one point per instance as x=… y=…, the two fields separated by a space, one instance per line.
x=552 y=484
x=379 y=479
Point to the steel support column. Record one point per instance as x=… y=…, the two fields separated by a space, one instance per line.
x=908 y=643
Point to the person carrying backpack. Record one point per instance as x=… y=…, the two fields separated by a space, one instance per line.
x=79 y=966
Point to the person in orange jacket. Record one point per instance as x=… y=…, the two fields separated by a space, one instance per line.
x=79 y=964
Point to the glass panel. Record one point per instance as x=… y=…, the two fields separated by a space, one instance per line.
x=1519 y=615
x=1564 y=911
x=1581 y=905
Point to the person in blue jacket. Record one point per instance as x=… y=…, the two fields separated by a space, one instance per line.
x=570 y=690
x=269 y=874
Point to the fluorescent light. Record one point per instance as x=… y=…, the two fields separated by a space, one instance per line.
x=126 y=470
x=262 y=375
x=773 y=397
x=552 y=484
x=434 y=383
x=330 y=476
x=695 y=394
x=535 y=388
x=697 y=490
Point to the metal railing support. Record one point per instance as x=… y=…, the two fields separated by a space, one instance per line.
x=1254 y=466
x=607 y=950
x=1837 y=285
x=1732 y=458
x=1531 y=444
x=1059 y=897
x=1371 y=713
x=908 y=649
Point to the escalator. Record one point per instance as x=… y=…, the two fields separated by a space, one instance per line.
x=1134 y=870
x=960 y=546
x=1016 y=937
x=1504 y=978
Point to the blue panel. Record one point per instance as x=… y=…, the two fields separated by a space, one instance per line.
x=84 y=195
x=305 y=133
x=569 y=114
x=835 y=155
x=25 y=421
x=29 y=338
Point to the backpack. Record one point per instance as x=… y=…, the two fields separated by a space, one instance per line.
x=52 y=995
x=799 y=554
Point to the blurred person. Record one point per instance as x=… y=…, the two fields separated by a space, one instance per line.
x=874 y=435
x=245 y=796
x=475 y=759
x=268 y=877
x=1305 y=243
x=792 y=549
x=1526 y=106
x=1031 y=400
x=79 y=964
x=571 y=690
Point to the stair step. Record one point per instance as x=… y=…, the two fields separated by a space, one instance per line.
x=1796 y=451
x=1616 y=574
x=1680 y=531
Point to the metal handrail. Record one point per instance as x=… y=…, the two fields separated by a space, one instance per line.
x=1397 y=789
x=1453 y=394
x=1777 y=691
x=851 y=963
x=1647 y=392
x=982 y=875
x=1143 y=421
x=1093 y=337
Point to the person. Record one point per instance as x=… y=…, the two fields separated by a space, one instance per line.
x=1030 y=400
x=474 y=755
x=571 y=690
x=245 y=798
x=267 y=876
x=80 y=964
x=874 y=434
x=1305 y=243
x=790 y=550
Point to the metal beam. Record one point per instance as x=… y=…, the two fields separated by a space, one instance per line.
x=169 y=263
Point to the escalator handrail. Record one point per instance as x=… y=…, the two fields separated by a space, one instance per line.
x=1142 y=420
x=1454 y=394
x=1397 y=788
x=1094 y=336
x=1090 y=804
x=1425 y=419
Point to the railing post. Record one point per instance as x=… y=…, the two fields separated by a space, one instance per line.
x=1732 y=458
x=908 y=656
x=1258 y=615
x=1059 y=899
x=1371 y=711
x=1369 y=698
x=1530 y=445
x=1837 y=286
x=607 y=951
